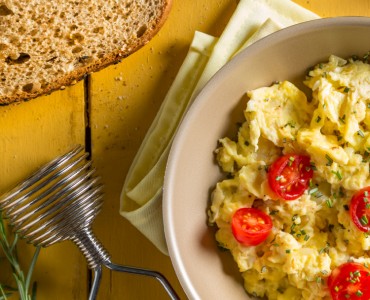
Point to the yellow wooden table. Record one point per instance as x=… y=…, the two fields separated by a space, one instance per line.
x=117 y=106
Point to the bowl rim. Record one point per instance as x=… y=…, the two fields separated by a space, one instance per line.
x=288 y=32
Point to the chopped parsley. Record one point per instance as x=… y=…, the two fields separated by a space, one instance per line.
x=273 y=212
x=313 y=166
x=313 y=190
x=360 y=133
x=364 y=220
x=292 y=228
x=329 y=203
x=338 y=174
x=291 y=124
x=325 y=249
x=330 y=160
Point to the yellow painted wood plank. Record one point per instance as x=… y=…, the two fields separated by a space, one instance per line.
x=31 y=134
x=333 y=8
x=124 y=101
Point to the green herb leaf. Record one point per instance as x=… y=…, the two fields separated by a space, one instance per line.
x=343 y=119
x=313 y=166
x=273 y=212
x=313 y=190
x=10 y=252
x=364 y=220
x=338 y=174
x=291 y=124
x=330 y=160
x=360 y=133
x=329 y=203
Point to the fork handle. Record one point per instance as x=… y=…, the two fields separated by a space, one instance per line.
x=97 y=256
x=132 y=270
x=139 y=271
x=96 y=283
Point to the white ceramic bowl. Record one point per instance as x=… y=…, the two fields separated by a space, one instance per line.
x=204 y=271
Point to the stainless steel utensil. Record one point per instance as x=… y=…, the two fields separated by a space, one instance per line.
x=59 y=202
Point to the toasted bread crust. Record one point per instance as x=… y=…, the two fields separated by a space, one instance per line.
x=85 y=66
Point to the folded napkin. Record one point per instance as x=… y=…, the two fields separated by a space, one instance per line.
x=141 y=197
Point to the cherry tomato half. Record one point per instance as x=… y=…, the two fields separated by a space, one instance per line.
x=360 y=209
x=289 y=176
x=350 y=281
x=251 y=226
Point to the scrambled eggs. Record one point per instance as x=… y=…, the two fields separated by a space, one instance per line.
x=314 y=233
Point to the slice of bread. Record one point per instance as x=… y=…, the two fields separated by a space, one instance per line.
x=46 y=45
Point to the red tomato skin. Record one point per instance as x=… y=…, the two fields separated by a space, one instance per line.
x=247 y=236
x=358 y=209
x=343 y=284
x=297 y=169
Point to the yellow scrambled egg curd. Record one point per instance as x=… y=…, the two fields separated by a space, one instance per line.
x=314 y=233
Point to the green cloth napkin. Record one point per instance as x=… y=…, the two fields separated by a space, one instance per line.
x=141 y=197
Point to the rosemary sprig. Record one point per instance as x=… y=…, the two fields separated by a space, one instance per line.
x=10 y=251
x=6 y=291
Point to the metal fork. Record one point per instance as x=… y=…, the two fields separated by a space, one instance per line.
x=59 y=202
